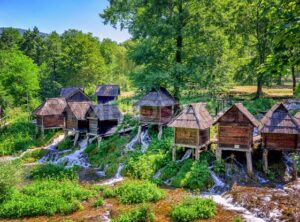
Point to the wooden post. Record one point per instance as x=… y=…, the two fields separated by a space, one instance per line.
x=65 y=134
x=76 y=138
x=249 y=163
x=139 y=135
x=265 y=161
x=42 y=127
x=87 y=138
x=159 y=132
x=295 y=171
x=99 y=139
x=174 y=153
x=36 y=129
x=197 y=154
x=219 y=154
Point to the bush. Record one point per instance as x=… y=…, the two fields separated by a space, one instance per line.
x=32 y=156
x=52 y=171
x=192 y=209
x=140 y=214
x=46 y=197
x=133 y=192
x=65 y=144
x=10 y=176
x=259 y=105
x=98 y=203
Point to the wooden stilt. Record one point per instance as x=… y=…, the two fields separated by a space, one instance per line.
x=159 y=132
x=219 y=154
x=42 y=131
x=87 y=139
x=174 y=153
x=99 y=141
x=249 y=163
x=139 y=135
x=76 y=138
x=197 y=153
x=265 y=161
x=65 y=134
x=295 y=170
x=36 y=130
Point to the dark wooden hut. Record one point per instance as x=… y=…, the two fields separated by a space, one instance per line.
x=50 y=114
x=103 y=119
x=107 y=93
x=279 y=131
x=235 y=132
x=74 y=94
x=156 y=108
x=76 y=116
x=192 y=128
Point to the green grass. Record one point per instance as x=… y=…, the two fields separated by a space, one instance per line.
x=192 y=209
x=140 y=214
x=46 y=197
x=52 y=171
x=98 y=203
x=136 y=191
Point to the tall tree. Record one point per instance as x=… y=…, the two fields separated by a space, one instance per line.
x=10 y=38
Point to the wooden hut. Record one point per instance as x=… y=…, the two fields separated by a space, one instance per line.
x=156 y=108
x=192 y=128
x=280 y=131
x=235 y=132
x=107 y=93
x=74 y=94
x=50 y=114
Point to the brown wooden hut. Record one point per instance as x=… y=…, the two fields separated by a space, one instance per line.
x=103 y=119
x=50 y=114
x=156 y=108
x=192 y=128
x=280 y=131
x=74 y=94
x=235 y=132
x=107 y=93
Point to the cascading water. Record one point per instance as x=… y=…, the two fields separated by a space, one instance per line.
x=288 y=162
x=145 y=141
x=219 y=186
x=186 y=155
x=116 y=178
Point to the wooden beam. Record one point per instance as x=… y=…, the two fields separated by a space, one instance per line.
x=160 y=131
x=219 y=154
x=249 y=164
x=174 y=153
x=265 y=161
x=139 y=134
x=197 y=153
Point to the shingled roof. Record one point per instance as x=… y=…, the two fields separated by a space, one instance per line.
x=194 y=116
x=157 y=97
x=279 y=120
x=69 y=91
x=52 y=106
x=107 y=112
x=79 y=109
x=244 y=111
x=107 y=90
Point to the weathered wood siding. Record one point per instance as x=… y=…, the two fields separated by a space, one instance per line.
x=204 y=136
x=192 y=137
x=280 y=141
x=235 y=130
x=79 y=97
x=155 y=115
x=53 y=121
x=71 y=121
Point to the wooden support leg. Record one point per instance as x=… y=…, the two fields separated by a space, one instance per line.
x=219 y=154
x=76 y=138
x=197 y=153
x=159 y=132
x=99 y=141
x=42 y=131
x=249 y=164
x=174 y=153
x=139 y=135
x=87 y=139
x=65 y=134
x=265 y=161
x=295 y=171
x=36 y=130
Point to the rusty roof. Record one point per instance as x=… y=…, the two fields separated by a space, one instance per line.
x=279 y=120
x=157 y=97
x=70 y=90
x=244 y=111
x=79 y=109
x=52 y=106
x=194 y=116
x=106 y=112
x=107 y=90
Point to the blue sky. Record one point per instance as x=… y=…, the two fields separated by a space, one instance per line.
x=59 y=15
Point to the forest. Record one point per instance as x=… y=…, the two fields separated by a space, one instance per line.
x=241 y=55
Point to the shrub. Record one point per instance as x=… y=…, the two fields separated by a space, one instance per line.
x=132 y=192
x=32 y=156
x=53 y=171
x=170 y=170
x=46 y=197
x=219 y=166
x=10 y=176
x=140 y=214
x=98 y=203
x=65 y=144
x=259 y=105
x=192 y=209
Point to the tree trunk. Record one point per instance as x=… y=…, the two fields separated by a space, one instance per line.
x=294 y=79
x=259 y=88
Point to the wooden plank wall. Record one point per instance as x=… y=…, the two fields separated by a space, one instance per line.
x=280 y=141
x=186 y=136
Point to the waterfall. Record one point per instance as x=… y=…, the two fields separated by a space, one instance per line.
x=219 y=186
x=116 y=178
x=186 y=155
x=145 y=141
x=288 y=162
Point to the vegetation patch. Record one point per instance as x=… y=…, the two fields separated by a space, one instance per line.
x=46 y=197
x=259 y=105
x=140 y=214
x=193 y=208
x=53 y=171
x=98 y=203
x=134 y=191
x=65 y=144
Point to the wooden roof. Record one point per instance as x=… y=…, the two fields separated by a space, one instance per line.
x=194 y=116
x=69 y=91
x=107 y=90
x=107 y=112
x=79 y=109
x=52 y=106
x=157 y=97
x=244 y=111
x=279 y=120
